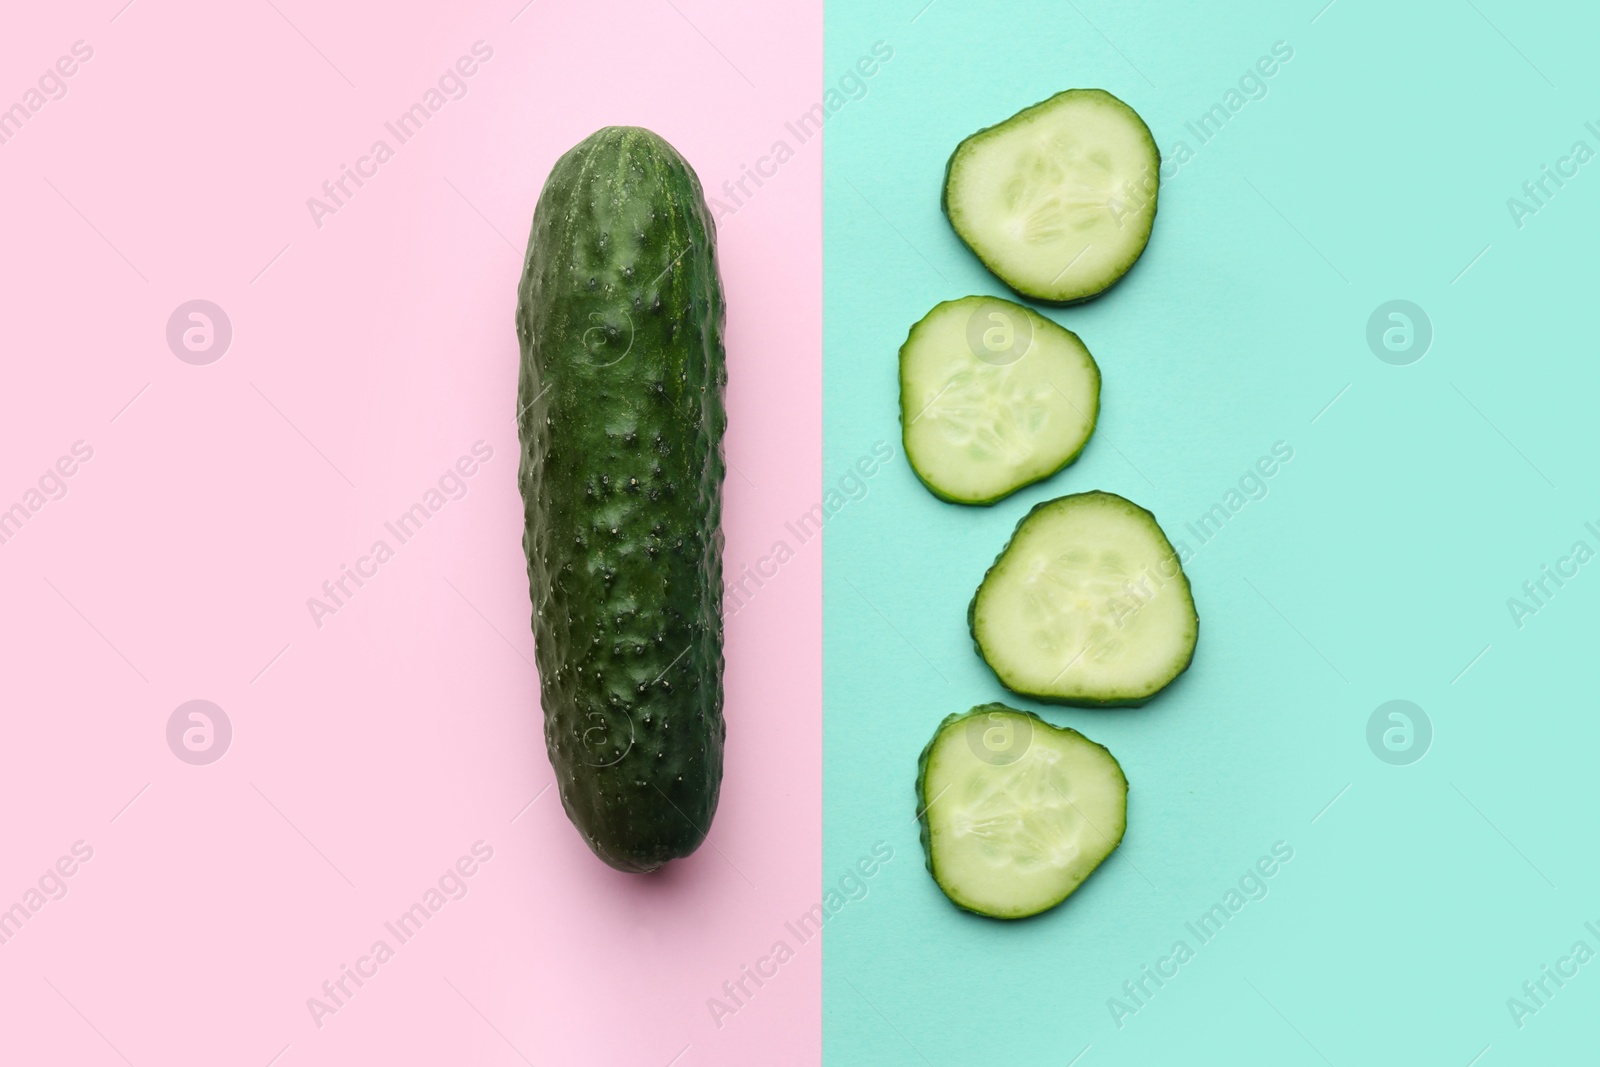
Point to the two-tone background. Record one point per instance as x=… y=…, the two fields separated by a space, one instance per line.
x=375 y=747
x=190 y=486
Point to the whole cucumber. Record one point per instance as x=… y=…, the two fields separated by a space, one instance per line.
x=621 y=417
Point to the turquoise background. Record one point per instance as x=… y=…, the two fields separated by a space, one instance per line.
x=1377 y=167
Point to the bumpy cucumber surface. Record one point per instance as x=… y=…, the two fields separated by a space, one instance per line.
x=620 y=410
x=1057 y=200
x=1088 y=604
x=1016 y=813
x=993 y=397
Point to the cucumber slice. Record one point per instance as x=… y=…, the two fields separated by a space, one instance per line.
x=1058 y=199
x=1088 y=604
x=1016 y=813
x=993 y=397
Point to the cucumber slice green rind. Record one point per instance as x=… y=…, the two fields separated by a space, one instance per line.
x=620 y=414
x=976 y=428
x=1164 y=625
x=1096 y=818
x=1130 y=186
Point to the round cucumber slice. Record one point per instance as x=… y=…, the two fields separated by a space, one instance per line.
x=993 y=397
x=1088 y=604
x=1016 y=813
x=1057 y=200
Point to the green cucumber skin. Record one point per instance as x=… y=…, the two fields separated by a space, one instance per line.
x=1077 y=702
x=905 y=428
x=621 y=417
x=926 y=833
x=944 y=198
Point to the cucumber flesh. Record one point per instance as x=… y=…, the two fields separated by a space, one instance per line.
x=993 y=397
x=1088 y=604
x=1057 y=200
x=1016 y=813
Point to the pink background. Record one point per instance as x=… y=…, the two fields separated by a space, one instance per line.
x=369 y=754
